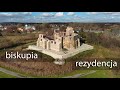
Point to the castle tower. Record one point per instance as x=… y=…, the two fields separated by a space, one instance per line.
x=69 y=31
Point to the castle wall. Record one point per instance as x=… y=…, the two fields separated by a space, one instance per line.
x=69 y=41
x=84 y=47
x=41 y=42
x=48 y=45
x=55 y=45
x=69 y=31
x=78 y=42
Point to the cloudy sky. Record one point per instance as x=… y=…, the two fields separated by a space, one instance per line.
x=59 y=16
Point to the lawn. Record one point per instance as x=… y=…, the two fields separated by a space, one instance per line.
x=97 y=74
x=102 y=74
x=4 y=75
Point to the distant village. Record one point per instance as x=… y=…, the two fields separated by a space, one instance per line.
x=86 y=27
x=29 y=27
x=21 y=28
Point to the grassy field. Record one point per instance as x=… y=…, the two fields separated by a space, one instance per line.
x=102 y=74
x=98 y=51
x=21 y=42
x=8 y=42
x=4 y=75
x=97 y=74
x=101 y=53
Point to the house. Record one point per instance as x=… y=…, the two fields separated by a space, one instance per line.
x=21 y=29
x=1 y=27
x=29 y=28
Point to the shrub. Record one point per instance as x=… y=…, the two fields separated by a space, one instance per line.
x=102 y=39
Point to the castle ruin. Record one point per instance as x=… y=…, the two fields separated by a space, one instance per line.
x=61 y=44
x=61 y=40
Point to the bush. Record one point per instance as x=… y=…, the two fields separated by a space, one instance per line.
x=102 y=39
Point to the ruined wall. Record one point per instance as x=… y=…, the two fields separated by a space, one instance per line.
x=41 y=42
x=69 y=31
x=68 y=42
x=56 y=45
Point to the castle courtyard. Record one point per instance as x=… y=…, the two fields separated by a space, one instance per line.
x=61 y=54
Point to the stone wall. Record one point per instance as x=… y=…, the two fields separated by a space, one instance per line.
x=56 y=45
x=69 y=41
x=55 y=55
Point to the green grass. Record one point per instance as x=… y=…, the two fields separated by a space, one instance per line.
x=4 y=75
x=97 y=52
x=20 y=72
x=102 y=74
x=64 y=75
x=71 y=73
x=97 y=74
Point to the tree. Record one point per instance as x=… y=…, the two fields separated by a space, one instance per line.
x=45 y=25
x=19 y=25
x=0 y=33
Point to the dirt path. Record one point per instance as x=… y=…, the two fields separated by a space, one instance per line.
x=12 y=73
x=80 y=75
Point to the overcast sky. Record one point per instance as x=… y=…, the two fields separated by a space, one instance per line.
x=59 y=16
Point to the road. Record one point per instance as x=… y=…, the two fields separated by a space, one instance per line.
x=18 y=75
x=80 y=75
x=12 y=73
